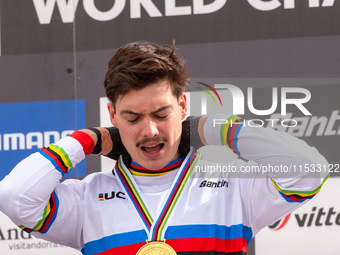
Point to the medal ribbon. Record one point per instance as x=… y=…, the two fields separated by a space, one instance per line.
x=133 y=191
x=156 y=229
x=136 y=169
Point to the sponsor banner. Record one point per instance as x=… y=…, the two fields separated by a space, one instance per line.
x=315 y=118
x=312 y=229
x=27 y=127
x=15 y=241
x=51 y=24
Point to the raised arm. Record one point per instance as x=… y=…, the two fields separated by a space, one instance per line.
x=274 y=180
x=33 y=197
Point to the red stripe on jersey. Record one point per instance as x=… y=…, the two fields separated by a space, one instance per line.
x=126 y=249
x=85 y=140
x=189 y=244
x=208 y=244
x=56 y=160
x=50 y=216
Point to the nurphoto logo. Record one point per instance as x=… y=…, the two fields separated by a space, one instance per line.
x=288 y=96
x=238 y=99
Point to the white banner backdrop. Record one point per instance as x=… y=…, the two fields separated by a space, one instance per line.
x=106 y=163
x=313 y=229
x=14 y=241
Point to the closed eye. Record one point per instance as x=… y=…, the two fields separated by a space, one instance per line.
x=161 y=116
x=133 y=120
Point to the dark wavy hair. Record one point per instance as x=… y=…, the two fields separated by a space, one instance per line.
x=136 y=65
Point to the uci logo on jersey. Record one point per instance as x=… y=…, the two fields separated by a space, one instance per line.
x=107 y=196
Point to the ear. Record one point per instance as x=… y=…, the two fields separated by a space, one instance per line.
x=183 y=105
x=112 y=114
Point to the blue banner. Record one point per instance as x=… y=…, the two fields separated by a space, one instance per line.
x=27 y=127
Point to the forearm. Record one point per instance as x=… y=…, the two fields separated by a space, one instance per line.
x=100 y=135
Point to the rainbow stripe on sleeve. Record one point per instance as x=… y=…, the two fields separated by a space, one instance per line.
x=58 y=157
x=298 y=196
x=48 y=217
x=229 y=133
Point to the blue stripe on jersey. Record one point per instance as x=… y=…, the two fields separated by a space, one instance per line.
x=114 y=241
x=207 y=231
x=56 y=200
x=173 y=232
x=289 y=200
x=52 y=162
x=236 y=139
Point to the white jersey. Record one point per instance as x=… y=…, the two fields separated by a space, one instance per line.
x=218 y=212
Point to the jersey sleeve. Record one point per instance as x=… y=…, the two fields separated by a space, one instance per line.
x=38 y=203
x=273 y=181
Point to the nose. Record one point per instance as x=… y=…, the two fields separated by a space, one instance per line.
x=149 y=128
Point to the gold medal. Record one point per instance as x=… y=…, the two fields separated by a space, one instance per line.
x=156 y=248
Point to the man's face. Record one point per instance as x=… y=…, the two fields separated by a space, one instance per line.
x=149 y=122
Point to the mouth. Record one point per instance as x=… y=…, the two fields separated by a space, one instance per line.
x=152 y=149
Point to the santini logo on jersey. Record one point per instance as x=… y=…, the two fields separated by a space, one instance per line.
x=107 y=196
x=210 y=184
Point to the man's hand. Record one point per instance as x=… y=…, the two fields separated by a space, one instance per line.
x=191 y=134
x=107 y=142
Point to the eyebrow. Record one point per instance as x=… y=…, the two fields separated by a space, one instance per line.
x=137 y=113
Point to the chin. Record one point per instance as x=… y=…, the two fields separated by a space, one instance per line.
x=155 y=161
x=154 y=164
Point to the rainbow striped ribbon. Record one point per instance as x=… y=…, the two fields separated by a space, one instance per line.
x=156 y=229
x=229 y=133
